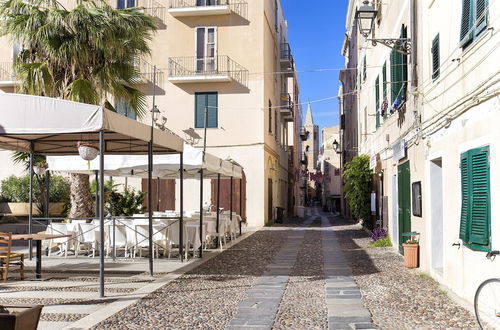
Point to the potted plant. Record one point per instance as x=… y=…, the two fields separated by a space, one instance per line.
x=411 y=250
x=87 y=151
x=40 y=168
x=20 y=317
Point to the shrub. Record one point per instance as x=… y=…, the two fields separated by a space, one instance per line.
x=383 y=242
x=16 y=189
x=128 y=203
x=357 y=176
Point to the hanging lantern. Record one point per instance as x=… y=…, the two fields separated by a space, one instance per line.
x=87 y=151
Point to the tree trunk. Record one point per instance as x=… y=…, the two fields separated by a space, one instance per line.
x=82 y=205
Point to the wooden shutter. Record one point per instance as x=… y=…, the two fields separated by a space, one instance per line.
x=384 y=85
x=270 y=115
x=200 y=102
x=481 y=15
x=464 y=214
x=479 y=184
x=377 y=102
x=212 y=110
x=466 y=25
x=435 y=57
x=403 y=59
x=394 y=75
x=364 y=68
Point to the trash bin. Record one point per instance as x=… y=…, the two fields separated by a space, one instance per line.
x=280 y=213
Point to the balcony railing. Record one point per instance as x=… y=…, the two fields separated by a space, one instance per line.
x=207 y=7
x=7 y=74
x=153 y=8
x=286 y=57
x=286 y=107
x=147 y=72
x=206 y=69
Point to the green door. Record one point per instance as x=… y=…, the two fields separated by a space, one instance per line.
x=404 y=202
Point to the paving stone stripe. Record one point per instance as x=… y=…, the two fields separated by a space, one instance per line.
x=343 y=296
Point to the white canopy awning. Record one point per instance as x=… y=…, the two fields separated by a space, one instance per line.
x=49 y=126
x=164 y=166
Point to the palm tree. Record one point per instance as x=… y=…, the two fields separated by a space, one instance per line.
x=85 y=54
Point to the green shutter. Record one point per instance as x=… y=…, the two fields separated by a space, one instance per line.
x=384 y=85
x=270 y=117
x=466 y=26
x=394 y=75
x=435 y=57
x=464 y=214
x=404 y=68
x=481 y=15
x=377 y=102
x=480 y=193
x=200 y=99
x=212 y=110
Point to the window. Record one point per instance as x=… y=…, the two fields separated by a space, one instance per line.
x=207 y=2
x=209 y=101
x=206 y=50
x=276 y=14
x=416 y=198
x=122 y=4
x=276 y=133
x=435 y=58
x=474 y=20
x=377 y=102
x=475 y=216
x=270 y=119
x=123 y=108
x=399 y=74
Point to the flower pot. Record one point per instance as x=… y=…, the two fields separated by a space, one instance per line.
x=19 y=317
x=88 y=152
x=39 y=170
x=411 y=255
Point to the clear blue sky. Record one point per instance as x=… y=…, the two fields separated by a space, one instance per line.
x=316 y=31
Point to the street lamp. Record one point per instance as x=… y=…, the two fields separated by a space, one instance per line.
x=335 y=146
x=365 y=19
x=155 y=114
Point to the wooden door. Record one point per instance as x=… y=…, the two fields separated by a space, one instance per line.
x=404 y=202
x=163 y=194
x=269 y=199
x=239 y=204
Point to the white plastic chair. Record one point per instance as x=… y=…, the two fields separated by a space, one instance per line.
x=120 y=239
x=86 y=237
x=62 y=243
x=142 y=241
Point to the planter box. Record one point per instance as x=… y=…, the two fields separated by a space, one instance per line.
x=19 y=317
x=411 y=255
x=23 y=208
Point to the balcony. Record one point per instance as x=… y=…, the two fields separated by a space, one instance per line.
x=149 y=7
x=286 y=58
x=147 y=73
x=205 y=69
x=185 y=8
x=286 y=109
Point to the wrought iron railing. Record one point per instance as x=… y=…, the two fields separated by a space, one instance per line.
x=7 y=72
x=237 y=6
x=153 y=8
x=147 y=71
x=191 y=66
x=286 y=101
x=286 y=52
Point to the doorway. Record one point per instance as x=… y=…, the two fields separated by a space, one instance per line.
x=270 y=199
x=206 y=50
x=436 y=197
x=404 y=202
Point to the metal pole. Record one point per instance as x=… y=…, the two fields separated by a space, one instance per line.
x=241 y=201
x=218 y=205
x=47 y=193
x=231 y=200
x=30 y=212
x=97 y=193
x=114 y=239
x=150 y=204
x=181 y=207
x=101 y=212
x=201 y=213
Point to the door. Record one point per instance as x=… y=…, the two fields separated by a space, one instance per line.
x=436 y=191
x=404 y=202
x=122 y=4
x=163 y=192
x=207 y=2
x=270 y=199
x=206 y=50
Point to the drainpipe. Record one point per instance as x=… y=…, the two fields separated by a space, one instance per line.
x=414 y=57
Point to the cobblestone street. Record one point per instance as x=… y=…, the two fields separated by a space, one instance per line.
x=309 y=274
